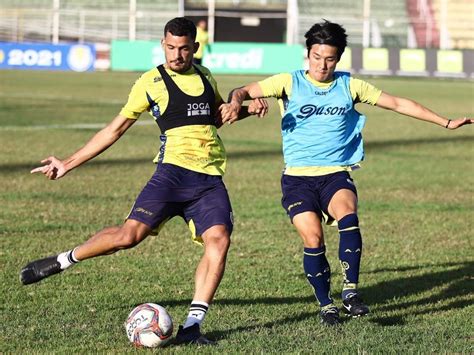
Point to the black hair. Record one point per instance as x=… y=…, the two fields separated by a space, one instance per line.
x=329 y=33
x=181 y=26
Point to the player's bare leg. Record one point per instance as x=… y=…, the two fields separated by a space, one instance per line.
x=208 y=276
x=309 y=228
x=343 y=202
x=107 y=241
x=113 y=239
x=212 y=265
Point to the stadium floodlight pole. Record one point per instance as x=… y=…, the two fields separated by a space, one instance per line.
x=366 y=25
x=211 y=19
x=82 y=25
x=444 y=35
x=181 y=8
x=291 y=21
x=132 y=20
x=55 y=25
x=425 y=16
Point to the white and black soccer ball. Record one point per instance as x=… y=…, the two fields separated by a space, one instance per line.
x=149 y=325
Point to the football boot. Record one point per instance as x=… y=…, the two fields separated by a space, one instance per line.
x=39 y=269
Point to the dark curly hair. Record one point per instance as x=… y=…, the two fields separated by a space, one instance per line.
x=329 y=33
x=181 y=26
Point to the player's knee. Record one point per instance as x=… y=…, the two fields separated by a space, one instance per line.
x=221 y=242
x=343 y=203
x=218 y=239
x=312 y=238
x=127 y=239
x=313 y=241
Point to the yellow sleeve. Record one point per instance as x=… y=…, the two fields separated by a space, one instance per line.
x=203 y=38
x=362 y=91
x=276 y=85
x=137 y=100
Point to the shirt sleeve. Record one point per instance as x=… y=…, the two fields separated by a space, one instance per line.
x=137 y=100
x=276 y=85
x=362 y=91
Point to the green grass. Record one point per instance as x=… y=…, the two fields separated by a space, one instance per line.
x=416 y=212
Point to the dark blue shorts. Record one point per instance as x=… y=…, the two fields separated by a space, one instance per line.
x=200 y=199
x=313 y=193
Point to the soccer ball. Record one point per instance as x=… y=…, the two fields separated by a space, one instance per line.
x=149 y=325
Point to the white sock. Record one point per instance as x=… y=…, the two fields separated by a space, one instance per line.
x=67 y=259
x=197 y=312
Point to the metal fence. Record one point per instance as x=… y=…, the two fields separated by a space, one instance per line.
x=370 y=23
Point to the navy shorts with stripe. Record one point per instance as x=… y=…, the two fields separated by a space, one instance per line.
x=200 y=199
x=313 y=193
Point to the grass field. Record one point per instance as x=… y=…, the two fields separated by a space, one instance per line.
x=416 y=212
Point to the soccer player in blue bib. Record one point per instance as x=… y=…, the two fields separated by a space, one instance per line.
x=183 y=99
x=322 y=143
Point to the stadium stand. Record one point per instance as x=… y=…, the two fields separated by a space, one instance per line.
x=37 y=4
x=345 y=12
x=394 y=23
x=389 y=25
x=83 y=20
x=109 y=5
x=423 y=20
x=392 y=20
x=239 y=4
x=459 y=22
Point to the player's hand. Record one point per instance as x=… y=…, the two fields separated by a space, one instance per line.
x=53 y=168
x=258 y=107
x=229 y=112
x=453 y=124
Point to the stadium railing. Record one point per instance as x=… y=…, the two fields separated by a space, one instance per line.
x=387 y=24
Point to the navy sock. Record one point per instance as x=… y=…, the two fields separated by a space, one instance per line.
x=350 y=249
x=318 y=273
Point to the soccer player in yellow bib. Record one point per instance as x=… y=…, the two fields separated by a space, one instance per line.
x=202 y=37
x=322 y=143
x=183 y=99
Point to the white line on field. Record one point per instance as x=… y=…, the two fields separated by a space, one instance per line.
x=67 y=126
x=44 y=96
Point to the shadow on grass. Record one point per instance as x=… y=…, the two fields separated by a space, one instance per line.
x=444 y=286
x=387 y=144
x=378 y=145
x=411 y=267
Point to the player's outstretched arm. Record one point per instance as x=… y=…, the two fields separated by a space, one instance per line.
x=258 y=107
x=230 y=111
x=412 y=108
x=55 y=168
